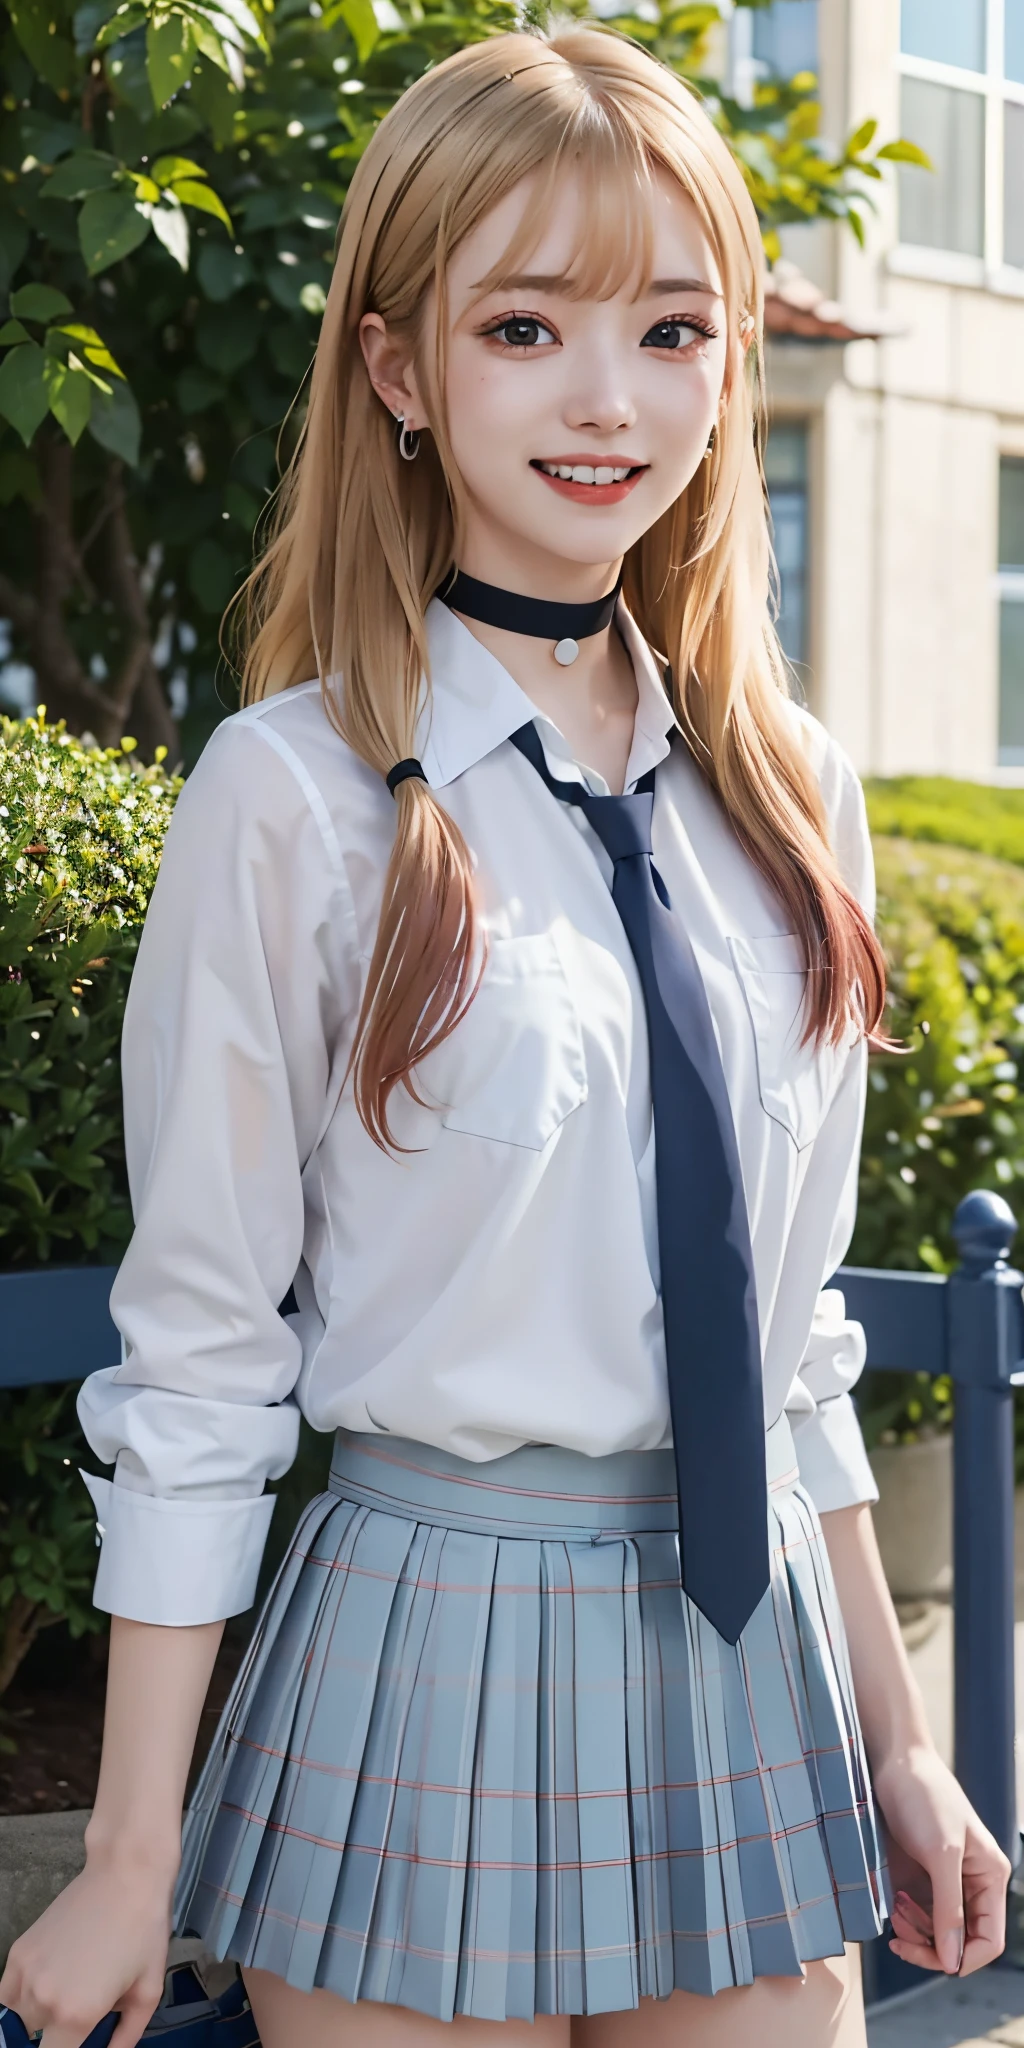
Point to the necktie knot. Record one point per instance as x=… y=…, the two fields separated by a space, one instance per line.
x=622 y=823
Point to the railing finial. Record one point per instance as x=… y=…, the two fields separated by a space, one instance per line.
x=984 y=1227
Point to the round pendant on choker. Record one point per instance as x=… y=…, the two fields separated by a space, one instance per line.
x=565 y=625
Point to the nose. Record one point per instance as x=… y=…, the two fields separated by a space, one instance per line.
x=600 y=400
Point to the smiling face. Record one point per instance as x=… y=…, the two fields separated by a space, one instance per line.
x=574 y=420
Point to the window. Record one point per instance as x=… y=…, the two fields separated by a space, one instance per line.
x=963 y=102
x=785 y=37
x=786 y=472
x=1011 y=613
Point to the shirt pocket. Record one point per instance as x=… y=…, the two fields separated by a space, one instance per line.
x=514 y=1068
x=796 y=1082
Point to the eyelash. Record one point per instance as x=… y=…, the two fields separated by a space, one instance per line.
x=694 y=321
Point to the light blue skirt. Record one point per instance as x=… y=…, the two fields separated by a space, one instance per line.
x=484 y=1756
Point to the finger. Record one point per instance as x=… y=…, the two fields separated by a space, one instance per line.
x=946 y=1873
x=906 y=1929
x=916 y=1916
x=924 y=1957
x=132 y=2024
x=986 y=1927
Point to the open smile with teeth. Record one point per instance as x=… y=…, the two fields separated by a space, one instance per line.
x=583 y=473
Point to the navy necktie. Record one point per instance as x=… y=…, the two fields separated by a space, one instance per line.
x=708 y=1296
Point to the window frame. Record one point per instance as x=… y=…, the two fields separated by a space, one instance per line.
x=915 y=258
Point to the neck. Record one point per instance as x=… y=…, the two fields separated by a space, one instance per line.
x=534 y=572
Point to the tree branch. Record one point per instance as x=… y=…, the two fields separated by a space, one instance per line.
x=138 y=689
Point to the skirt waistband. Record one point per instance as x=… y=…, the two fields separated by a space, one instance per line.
x=539 y=1491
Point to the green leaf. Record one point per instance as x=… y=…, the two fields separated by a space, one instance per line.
x=12 y=330
x=89 y=170
x=70 y=396
x=214 y=98
x=197 y=389
x=902 y=152
x=361 y=22
x=861 y=138
x=116 y=424
x=50 y=53
x=132 y=14
x=211 y=575
x=109 y=226
x=168 y=169
x=203 y=198
x=92 y=346
x=222 y=271
x=87 y=22
x=24 y=399
x=19 y=478
x=171 y=228
x=39 y=302
x=170 y=53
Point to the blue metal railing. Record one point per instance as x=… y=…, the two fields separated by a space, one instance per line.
x=55 y=1325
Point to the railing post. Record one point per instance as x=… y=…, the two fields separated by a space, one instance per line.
x=985 y=1344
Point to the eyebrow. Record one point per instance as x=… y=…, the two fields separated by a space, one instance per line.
x=660 y=287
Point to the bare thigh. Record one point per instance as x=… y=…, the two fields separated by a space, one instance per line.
x=823 y=2009
x=286 y=2018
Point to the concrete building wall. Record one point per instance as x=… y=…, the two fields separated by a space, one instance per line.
x=905 y=439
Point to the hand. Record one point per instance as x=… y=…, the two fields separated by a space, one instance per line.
x=949 y=1911
x=100 y=1947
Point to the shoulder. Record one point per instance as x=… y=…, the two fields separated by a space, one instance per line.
x=842 y=794
x=281 y=768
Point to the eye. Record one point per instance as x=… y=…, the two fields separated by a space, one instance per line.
x=521 y=330
x=680 y=333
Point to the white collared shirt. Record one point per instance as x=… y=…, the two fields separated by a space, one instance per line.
x=496 y=1283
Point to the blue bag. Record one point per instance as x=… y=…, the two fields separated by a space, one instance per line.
x=185 y=2018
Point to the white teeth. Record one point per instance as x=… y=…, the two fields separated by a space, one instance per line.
x=582 y=473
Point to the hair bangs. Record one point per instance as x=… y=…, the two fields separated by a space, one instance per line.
x=613 y=241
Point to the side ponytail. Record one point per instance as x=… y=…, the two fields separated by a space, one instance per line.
x=425 y=941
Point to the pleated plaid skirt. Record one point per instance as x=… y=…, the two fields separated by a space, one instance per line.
x=483 y=1755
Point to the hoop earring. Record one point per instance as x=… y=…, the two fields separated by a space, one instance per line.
x=710 y=449
x=408 y=439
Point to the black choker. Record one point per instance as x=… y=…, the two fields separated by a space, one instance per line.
x=565 y=624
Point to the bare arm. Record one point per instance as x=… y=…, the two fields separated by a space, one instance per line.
x=889 y=1702
x=103 y=1943
x=948 y=1872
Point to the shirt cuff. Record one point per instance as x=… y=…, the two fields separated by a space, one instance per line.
x=175 y=1562
x=833 y=1463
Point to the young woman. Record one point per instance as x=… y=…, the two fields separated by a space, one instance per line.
x=558 y=1718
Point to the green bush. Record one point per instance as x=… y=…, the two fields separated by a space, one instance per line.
x=81 y=830
x=947 y=1114
x=952 y=813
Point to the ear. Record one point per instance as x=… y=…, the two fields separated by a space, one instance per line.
x=391 y=371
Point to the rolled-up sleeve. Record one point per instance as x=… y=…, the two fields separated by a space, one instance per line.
x=231 y=1053
x=830 y=1450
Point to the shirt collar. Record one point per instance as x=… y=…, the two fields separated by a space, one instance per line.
x=475 y=705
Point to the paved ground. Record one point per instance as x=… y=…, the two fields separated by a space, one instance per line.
x=986 y=2008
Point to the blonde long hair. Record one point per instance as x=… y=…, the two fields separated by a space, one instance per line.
x=361 y=540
